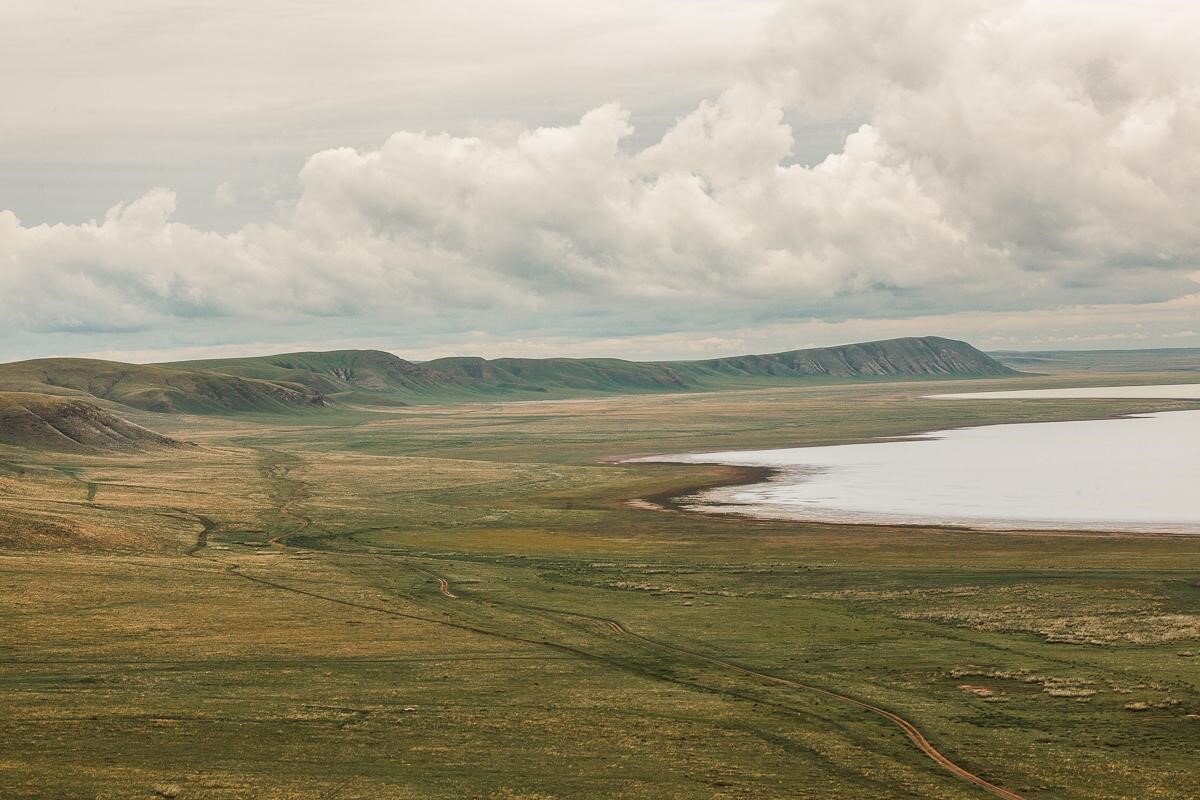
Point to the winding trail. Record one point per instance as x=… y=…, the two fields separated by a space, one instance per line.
x=443 y=584
x=910 y=730
x=279 y=473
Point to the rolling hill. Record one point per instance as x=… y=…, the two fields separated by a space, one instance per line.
x=927 y=357
x=919 y=357
x=328 y=372
x=66 y=424
x=377 y=375
x=294 y=382
x=153 y=388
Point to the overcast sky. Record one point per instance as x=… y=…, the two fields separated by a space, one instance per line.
x=640 y=179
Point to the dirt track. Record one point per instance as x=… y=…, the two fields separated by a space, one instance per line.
x=910 y=730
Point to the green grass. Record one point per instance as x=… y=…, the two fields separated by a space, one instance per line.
x=306 y=651
x=296 y=383
x=363 y=376
x=150 y=388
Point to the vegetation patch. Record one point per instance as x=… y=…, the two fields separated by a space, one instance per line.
x=1095 y=616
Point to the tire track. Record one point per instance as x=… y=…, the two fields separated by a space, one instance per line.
x=443 y=584
x=909 y=729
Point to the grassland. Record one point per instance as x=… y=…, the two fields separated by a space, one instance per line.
x=151 y=388
x=413 y=602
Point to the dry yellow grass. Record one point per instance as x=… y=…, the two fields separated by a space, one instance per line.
x=306 y=650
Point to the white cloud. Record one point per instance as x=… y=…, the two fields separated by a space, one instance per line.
x=1013 y=157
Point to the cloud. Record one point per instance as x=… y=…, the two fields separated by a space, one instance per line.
x=224 y=195
x=1012 y=157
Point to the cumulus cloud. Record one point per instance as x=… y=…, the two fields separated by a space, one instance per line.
x=1011 y=157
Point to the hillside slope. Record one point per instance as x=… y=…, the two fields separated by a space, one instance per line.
x=294 y=382
x=153 y=388
x=925 y=357
x=65 y=424
x=921 y=357
x=572 y=375
x=376 y=376
x=328 y=372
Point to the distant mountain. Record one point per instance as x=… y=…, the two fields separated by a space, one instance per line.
x=376 y=376
x=65 y=424
x=560 y=375
x=373 y=375
x=919 y=357
x=153 y=388
x=926 y=357
x=301 y=381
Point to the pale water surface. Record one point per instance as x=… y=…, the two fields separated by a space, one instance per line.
x=1174 y=391
x=1140 y=473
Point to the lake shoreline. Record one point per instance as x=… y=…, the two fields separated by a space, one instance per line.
x=675 y=500
x=927 y=487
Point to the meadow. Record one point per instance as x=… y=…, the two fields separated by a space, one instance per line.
x=451 y=601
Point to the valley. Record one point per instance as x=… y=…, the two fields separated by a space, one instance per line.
x=450 y=600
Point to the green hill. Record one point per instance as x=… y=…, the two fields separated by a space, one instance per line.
x=376 y=376
x=294 y=382
x=560 y=375
x=329 y=372
x=153 y=388
x=920 y=357
x=926 y=357
x=65 y=424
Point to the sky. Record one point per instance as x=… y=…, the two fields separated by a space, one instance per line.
x=654 y=179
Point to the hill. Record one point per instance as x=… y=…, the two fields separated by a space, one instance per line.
x=294 y=382
x=917 y=357
x=328 y=372
x=376 y=376
x=44 y=422
x=501 y=376
x=926 y=357
x=153 y=388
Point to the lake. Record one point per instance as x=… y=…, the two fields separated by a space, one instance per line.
x=1174 y=391
x=1140 y=473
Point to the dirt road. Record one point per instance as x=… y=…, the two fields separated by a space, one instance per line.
x=910 y=730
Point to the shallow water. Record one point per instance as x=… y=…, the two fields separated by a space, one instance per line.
x=1174 y=391
x=1140 y=473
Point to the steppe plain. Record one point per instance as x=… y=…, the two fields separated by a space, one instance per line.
x=461 y=600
